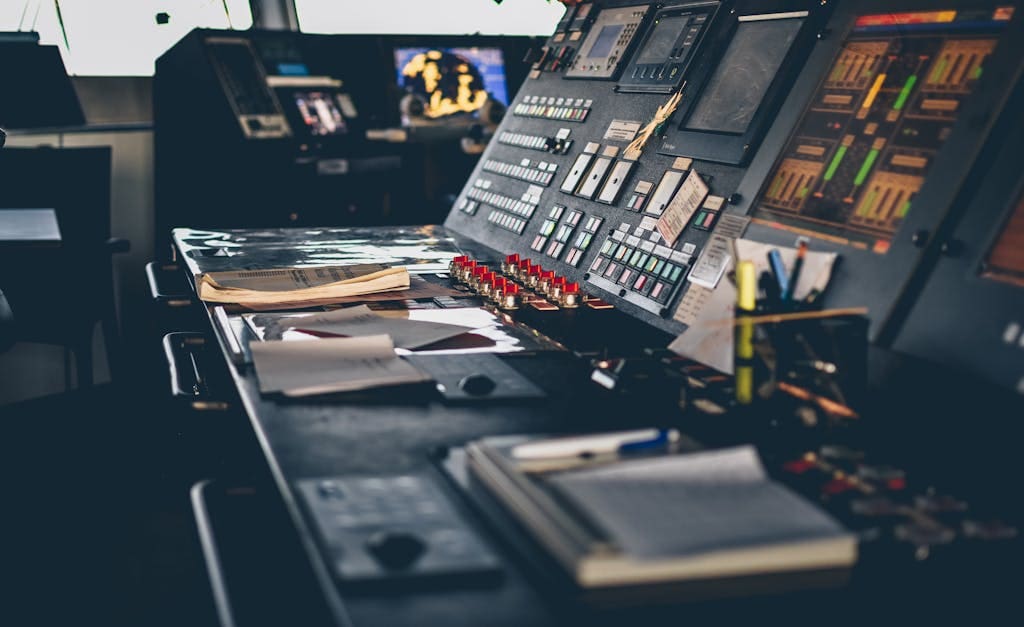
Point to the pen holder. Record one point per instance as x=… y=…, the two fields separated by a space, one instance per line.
x=817 y=366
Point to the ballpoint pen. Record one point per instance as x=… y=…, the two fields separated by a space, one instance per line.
x=794 y=277
x=586 y=445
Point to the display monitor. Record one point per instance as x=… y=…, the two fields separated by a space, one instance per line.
x=739 y=79
x=870 y=133
x=735 y=91
x=665 y=52
x=878 y=140
x=452 y=81
x=320 y=113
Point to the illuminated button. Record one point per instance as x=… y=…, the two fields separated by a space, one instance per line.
x=570 y=296
x=657 y=289
x=639 y=283
x=626 y=275
x=533 y=276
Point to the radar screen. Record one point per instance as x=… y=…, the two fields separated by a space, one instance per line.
x=666 y=51
x=452 y=81
x=1005 y=261
x=863 y=147
x=604 y=50
x=320 y=113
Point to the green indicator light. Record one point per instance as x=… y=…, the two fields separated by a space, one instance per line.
x=976 y=74
x=832 y=167
x=904 y=209
x=803 y=192
x=866 y=167
x=773 y=192
x=904 y=93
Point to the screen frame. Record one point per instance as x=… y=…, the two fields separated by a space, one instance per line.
x=733 y=148
x=863 y=277
x=628 y=85
x=939 y=326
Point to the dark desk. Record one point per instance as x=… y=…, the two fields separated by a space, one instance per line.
x=310 y=438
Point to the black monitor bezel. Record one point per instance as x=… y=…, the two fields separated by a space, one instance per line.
x=865 y=278
x=733 y=148
x=668 y=10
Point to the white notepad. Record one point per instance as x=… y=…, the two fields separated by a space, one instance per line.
x=331 y=365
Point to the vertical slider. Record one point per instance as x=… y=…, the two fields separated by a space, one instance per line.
x=597 y=171
x=613 y=186
x=579 y=167
x=664 y=192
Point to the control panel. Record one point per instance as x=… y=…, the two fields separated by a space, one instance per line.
x=579 y=179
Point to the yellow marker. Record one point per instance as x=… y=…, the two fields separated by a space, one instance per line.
x=873 y=92
x=746 y=303
x=744 y=385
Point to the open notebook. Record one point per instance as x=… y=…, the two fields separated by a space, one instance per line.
x=698 y=516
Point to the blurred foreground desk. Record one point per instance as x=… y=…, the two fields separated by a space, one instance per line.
x=383 y=434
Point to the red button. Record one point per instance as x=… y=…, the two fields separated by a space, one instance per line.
x=512 y=258
x=572 y=288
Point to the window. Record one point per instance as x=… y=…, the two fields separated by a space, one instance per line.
x=511 y=17
x=118 y=37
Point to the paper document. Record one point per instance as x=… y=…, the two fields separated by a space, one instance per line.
x=331 y=365
x=361 y=321
x=299 y=287
x=697 y=503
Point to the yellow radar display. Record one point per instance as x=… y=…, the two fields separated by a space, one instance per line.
x=449 y=81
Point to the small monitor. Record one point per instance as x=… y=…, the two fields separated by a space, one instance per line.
x=736 y=89
x=320 y=113
x=452 y=81
x=750 y=62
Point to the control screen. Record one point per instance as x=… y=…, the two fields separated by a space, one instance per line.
x=742 y=77
x=452 y=81
x=320 y=113
x=864 y=145
x=1005 y=261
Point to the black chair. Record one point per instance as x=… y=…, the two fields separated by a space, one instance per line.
x=61 y=293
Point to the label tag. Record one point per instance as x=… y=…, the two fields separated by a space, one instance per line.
x=685 y=203
x=622 y=130
x=717 y=253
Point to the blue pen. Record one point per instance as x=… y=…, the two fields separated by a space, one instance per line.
x=664 y=438
x=778 y=269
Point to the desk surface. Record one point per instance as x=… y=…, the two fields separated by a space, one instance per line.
x=29 y=227
x=311 y=438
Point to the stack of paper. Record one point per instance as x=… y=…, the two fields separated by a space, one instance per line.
x=331 y=365
x=299 y=287
x=712 y=516
x=361 y=321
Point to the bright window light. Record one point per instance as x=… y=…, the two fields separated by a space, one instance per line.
x=447 y=17
x=119 y=37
